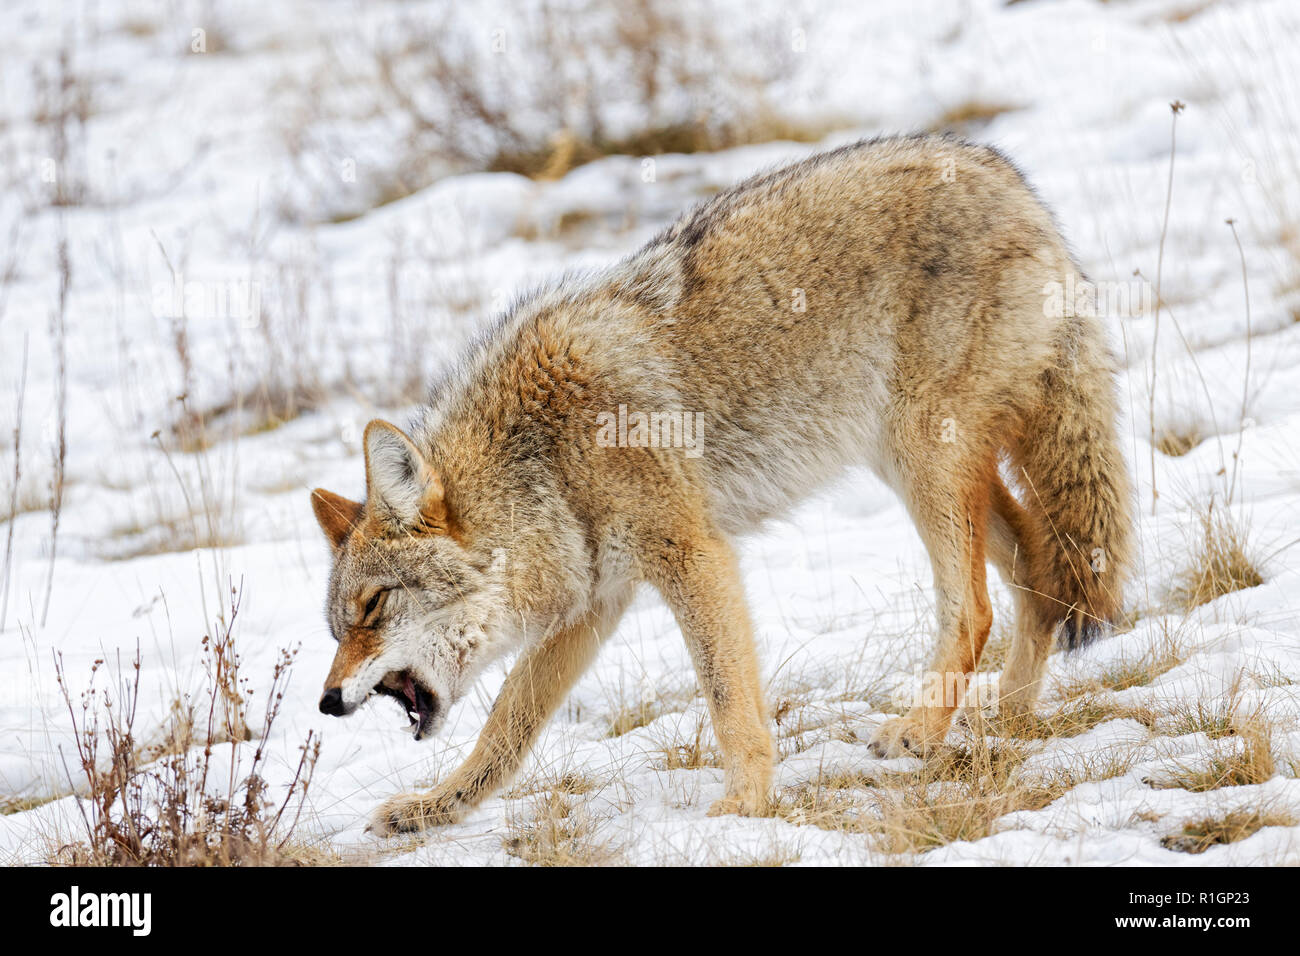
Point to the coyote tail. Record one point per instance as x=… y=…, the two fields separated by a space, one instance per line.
x=1077 y=522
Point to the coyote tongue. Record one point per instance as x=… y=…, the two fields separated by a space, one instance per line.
x=408 y=689
x=422 y=707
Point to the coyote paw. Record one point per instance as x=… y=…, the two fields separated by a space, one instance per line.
x=899 y=737
x=413 y=812
x=740 y=806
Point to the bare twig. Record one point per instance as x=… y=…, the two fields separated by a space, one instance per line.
x=13 y=492
x=1245 y=381
x=59 y=332
x=1176 y=107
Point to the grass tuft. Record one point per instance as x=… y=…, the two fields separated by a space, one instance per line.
x=1197 y=836
x=1176 y=442
x=1252 y=763
x=649 y=707
x=557 y=832
x=692 y=754
x=1221 y=562
x=1081 y=714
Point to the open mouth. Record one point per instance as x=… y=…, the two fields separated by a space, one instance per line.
x=420 y=703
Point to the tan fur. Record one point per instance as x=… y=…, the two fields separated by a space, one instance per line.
x=882 y=304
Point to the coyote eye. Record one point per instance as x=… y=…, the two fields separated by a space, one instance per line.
x=373 y=606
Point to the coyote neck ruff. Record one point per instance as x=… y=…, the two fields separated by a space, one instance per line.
x=881 y=304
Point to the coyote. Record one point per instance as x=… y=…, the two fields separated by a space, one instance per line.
x=879 y=304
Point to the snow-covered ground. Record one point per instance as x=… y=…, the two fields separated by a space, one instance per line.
x=181 y=174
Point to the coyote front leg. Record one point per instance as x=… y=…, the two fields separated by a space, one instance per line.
x=532 y=691
x=700 y=580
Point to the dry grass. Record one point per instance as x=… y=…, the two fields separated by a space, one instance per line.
x=1215 y=720
x=1176 y=442
x=262 y=408
x=915 y=822
x=819 y=804
x=1197 y=836
x=1138 y=673
x=965 y=792
x=158 y=804
x=571 y=783
x=21 y=804
x=169 y=535
x=567 y=151
x=59 y=451
x=1251 y=763
x=693 y=753
x=1105 y=764
x=969 y=117
x=25 y=497
x=777 y=856
x=1221 y=562
x=544 y=97
x=1080 y=714
x=64 y=103
x=1271 y=676
x=193 y=504
x=282 y=355
x=994 y=656
x=15 y=495
x=557 y=831
x=316 y=853
x=651 y=704
x=1124 y=674
x=1182 y=14
x=802 y=723
x=958 y=794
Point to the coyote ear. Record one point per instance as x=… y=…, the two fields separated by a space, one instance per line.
x=337 y=515
x=400 y=480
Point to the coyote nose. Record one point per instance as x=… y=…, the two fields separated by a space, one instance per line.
x=331 y=702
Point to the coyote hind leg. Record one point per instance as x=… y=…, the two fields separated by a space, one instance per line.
x=1011 y=536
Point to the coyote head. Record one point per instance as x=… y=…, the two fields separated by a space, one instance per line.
x=416 y=611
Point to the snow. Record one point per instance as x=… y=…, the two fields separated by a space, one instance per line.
x=186 y=167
